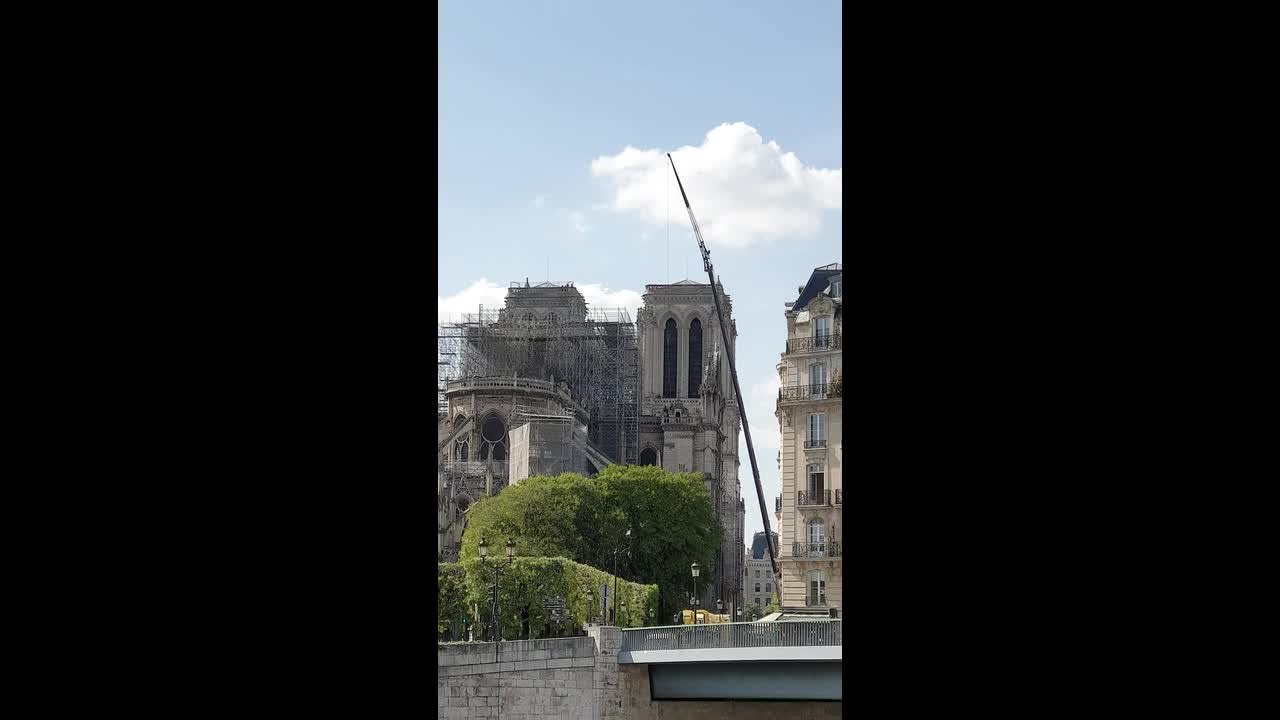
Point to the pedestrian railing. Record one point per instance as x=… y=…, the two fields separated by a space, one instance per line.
x=800 y=633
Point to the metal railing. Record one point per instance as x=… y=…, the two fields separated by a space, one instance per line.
x=811 y=443
x=829 y=549
x=808 y=391
x=777 y=504
x=822 y=497
x=816 y=343
x=801 y=633
x=838 y=500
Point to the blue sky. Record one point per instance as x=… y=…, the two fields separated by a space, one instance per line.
x=538 y=102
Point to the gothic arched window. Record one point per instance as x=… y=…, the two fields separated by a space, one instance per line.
x=669 y=360
x=493 y=439
x=648 y=456
x=695 y=357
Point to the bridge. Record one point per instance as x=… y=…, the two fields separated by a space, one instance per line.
x=789 y=660
x=748 y=671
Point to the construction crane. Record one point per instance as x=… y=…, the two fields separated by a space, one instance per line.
x=733 y=371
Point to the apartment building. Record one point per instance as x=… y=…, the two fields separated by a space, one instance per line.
x=757 y=581
x=810 y=509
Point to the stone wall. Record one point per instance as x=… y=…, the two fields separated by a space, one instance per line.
x=577 y=678
x=560 y=677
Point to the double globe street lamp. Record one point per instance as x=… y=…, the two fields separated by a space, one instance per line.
x=497 y=567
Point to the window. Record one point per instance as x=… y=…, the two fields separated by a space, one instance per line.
x=757 y=574
x=817 y=432
x=818 y=381
x=648 y=456
x=757 y=587
x=815 y=588
x=835 y=288
x=817 y=484
x=817 y=539
x=758 y=601
x=822 y=332
x=493 y=435
x=463 y=448
x=768 y=587
x=669 y=360
x=695 y=357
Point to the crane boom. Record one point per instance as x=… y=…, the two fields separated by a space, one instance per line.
x=733 y=372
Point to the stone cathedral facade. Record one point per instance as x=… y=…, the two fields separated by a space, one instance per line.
x=689 y=418
x=513 y=413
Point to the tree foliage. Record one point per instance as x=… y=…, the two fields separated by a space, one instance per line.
x=523 y=586
x=585 y=519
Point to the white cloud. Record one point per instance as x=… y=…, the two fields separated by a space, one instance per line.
x=599 y=296
x=469 y=300
x=541 y=200
x=579 y=222
x=493 y=296
x=742 y=189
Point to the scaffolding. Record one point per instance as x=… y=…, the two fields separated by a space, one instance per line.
x=547 y=332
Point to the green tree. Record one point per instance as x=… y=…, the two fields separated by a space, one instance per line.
x=672 y=526
x=585 y=519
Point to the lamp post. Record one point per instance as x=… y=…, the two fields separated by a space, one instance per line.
x=693 y=569
x=497 y=572
x=613 y=615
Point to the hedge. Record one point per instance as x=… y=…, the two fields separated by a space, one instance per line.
x=526 y=582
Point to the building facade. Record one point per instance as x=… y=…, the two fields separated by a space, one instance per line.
x=689 y=416
x=810 y=509
x=758 y=582
x=547 y=385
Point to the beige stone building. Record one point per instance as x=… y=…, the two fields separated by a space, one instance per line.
x=689 y=417
x=810 y=508
x=758 y=581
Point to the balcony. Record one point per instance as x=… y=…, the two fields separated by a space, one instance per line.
x=829 y=549
x=808 y=392
x=777 y=504
x=812 y=499
x=838 y=502
x=814 y=443
x=817 y=343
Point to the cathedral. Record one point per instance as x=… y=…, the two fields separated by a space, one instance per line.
x=547 y=385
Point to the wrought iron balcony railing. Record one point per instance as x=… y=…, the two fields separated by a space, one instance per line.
x=777 y=504
x=811 y=443
x=838 y=502
x=822 y=497
x=817 y=343
x=828 y=549
x=809 y=391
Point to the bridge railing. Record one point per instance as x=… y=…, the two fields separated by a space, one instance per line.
x=800 y=633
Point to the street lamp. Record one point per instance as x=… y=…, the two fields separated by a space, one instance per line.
x=694 y=570
x=497 y=572
x=613 y=615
